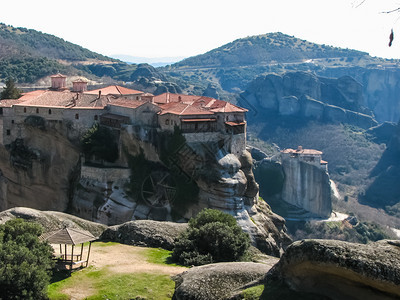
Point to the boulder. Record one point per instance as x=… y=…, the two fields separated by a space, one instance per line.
x=146 y=233
x=51 y=220
x=218 y=281
x=332 y=269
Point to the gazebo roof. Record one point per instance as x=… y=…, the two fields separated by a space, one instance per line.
x=69 y=236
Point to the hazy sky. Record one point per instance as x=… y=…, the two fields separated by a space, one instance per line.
x=156 y=28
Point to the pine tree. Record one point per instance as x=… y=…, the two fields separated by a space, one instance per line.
x=10 y=91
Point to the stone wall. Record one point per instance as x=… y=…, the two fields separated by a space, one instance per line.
x=105 y=174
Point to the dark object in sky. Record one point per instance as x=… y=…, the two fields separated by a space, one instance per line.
x=391 y=38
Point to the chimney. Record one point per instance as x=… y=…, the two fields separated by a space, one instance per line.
x=99 y=94
x=300 y=148
x=79 y=85
x=58 y=82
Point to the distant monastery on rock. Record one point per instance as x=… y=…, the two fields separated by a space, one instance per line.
x=201 y=119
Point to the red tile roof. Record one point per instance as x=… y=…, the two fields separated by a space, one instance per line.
x=303 y=151
x=64 y=98
x=80 y=80
x=182 y=109
x=128 y=103
x=8 y=102
x=208 y=103
x=114 y=90
x=58 y=76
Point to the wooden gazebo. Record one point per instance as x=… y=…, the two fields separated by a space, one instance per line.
x=68 y=238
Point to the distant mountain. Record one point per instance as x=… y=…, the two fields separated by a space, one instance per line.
x=265 y=49
x=154 y=61
x=28 y=55
x=234 y=65
x=17 y=42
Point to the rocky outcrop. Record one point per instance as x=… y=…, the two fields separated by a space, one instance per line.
x=303 y=94
x=307 y=186
x=51 y=220
x=217 y=281
x=266 y=229
x=145 y=233
x=384 y=190
x=38 y=170
x=297 y=181
x=381 y=90
x=329 y=269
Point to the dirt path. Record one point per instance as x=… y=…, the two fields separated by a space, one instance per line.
x=118 y=258
x=127 y=259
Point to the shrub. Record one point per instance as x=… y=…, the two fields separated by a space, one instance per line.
x=100 y=142
x=213 y=236
x=25 y=261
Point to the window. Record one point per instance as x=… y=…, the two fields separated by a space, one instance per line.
x=167 y=122
x=49 y=111
x=24 y=109
x=137 y=97
x=8 y=131
x=37 y=110
x=96 y=117
x=12 y=121
x=1 y=110
x=77 y=116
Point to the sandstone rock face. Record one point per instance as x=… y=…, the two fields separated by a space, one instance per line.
x=307 y=186
x=217 y=281
x=289 y=105
x=381 y=90
x=266 y=229
x=340 y=270
x=146 y=233
x=38 y=170
x=303 y=94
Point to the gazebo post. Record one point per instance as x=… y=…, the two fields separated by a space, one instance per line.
x=87 y=259
x=80 y=257
x=65 y=254
x=72 y=256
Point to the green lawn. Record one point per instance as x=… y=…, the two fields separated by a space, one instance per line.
x=95 y=283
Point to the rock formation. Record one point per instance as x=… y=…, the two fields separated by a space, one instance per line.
x=329 y=269
x=217 y=281
x=51 y=220
x=45 y=170
x=38 y=170
x=141 y=233
x=145 y=233
x=297 y=177
x=305 y=95
x=307 y=184
x=381 y=90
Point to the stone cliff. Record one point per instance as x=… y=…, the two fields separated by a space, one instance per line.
x=307 y=186
x=305 y=95
x=44 y=169
x=178 y=185
x=38 y=170
x=297 y=179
